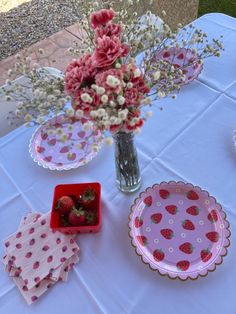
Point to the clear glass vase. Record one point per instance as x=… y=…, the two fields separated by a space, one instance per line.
x=127 y=168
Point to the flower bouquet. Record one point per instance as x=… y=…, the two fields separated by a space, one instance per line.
x=124 y=63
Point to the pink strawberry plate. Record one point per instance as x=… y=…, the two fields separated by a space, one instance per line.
x=49 y=150
x=179 y=230
x=185 y=59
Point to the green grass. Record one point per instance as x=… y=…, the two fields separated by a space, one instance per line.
x=224 y=6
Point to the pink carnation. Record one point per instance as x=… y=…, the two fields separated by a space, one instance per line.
x=133 y=97
x=78 y=72
x=109 y=30
x=87 y=107
x=108 y=51
x=101 y=80
x=101 y=17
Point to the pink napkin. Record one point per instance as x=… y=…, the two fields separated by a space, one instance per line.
x=37 y=257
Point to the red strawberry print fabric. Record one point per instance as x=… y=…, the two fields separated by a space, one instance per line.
x=37 y=265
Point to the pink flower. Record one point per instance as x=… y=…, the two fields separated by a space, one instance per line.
x=101 y=80
x=78 y=72
x=133 y=97
x=109 y=30
x=101 y=17
x=78 y=103
x=108 y=51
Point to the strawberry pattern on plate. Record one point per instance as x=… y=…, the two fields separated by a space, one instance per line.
x=49 y=151
x=183 y=58
x=179 y=230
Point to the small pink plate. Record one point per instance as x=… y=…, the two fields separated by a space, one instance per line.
x=49 y=151
x=179 y=230
x=182 y=58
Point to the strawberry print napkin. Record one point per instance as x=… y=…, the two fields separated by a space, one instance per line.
x=37 y=257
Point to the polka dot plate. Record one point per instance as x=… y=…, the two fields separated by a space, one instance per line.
x=179 y=230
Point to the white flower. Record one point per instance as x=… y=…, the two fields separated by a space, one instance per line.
x=129 y=85
x=112 y=103
x=118 y=121
x=112 y=120
x=86 y=97
x=100 y=90
x=149 y=114
x=86 y=126
x=118 y=65
x=137 y=73
x=104 y=99
x=106 y=124
x=156 y=75
x=93 y=114
x=123 y=114
x=28 y=117
x=147 y=100
x=101 y=112
x=137 y=130
x=94 y=86
x=161 y=94
x=121 y=100
x=112 y=81
x=79 y=113
x=108 y=141
x=70 y=112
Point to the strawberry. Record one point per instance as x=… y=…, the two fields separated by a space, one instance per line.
x=158 y=255
x=34 y=298
x=58 y=241
x=186 y=247
x=31 y=230
x=167 y=233
x=18 y=245
x=206 y=255
x=36 y=265
x=64 y=205
x=18 y=235
x=71 y=156
x=45 y=248
x=193 y=210
x=148 y=201
x=188 y=225
x=166 y=54
x=88 y=199
x=64 y=149
x=28 y=254
x=138 y=222
x=31 y=242
x=213 y=217
x=213 y=236
x=52 y=142
x=44 y=136
x=47 y=158
x=183 y=265
x=43 y=235
x=64 y=248
x=164 y=194
x=77 y=217
x=81 y=134
x=156 y=218
x=49 y=259
x=91 y=218
x=63 y=259
x=40 y=149
x=172 y=209
x=142 y=240
x=192 y=195
x=180 y=56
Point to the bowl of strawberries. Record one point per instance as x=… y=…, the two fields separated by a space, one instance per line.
x=76 y=208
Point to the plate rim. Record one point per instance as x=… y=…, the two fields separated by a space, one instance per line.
x=166 y=273
x=46 y=165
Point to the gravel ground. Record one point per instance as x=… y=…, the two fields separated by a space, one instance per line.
x=31 y=22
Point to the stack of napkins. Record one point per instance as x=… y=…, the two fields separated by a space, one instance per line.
x=37 y=257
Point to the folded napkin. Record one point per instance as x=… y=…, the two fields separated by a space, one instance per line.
x=38 y=257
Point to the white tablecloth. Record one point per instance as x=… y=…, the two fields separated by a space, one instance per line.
x=190 y=140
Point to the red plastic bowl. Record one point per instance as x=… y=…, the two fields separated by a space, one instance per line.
x=75 y=189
